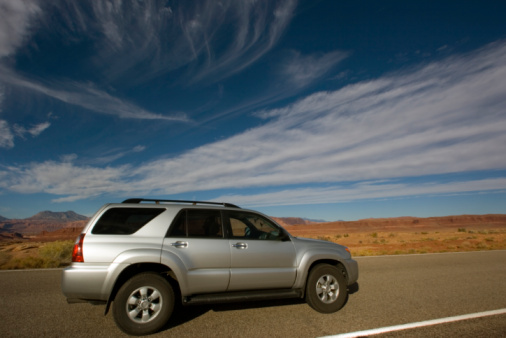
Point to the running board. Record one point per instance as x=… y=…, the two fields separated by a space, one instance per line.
x=240 y=296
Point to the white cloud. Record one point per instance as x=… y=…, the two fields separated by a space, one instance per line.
x=34 y=131
x=8 y=133
x=64 y=179
x=111 y=155
x=444 y=117
x=364 y=191
x=16 y=16
x=6 y=136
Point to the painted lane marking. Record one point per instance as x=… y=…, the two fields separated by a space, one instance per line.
x=419 y=324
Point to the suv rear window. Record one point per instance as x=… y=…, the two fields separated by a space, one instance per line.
x=124 y=221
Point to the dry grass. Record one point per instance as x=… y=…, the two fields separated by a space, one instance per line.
x=397 y=243
x=33 y=255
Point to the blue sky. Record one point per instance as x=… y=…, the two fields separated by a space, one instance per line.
x=333 y=110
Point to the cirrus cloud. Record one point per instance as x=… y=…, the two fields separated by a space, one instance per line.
x=443 y=117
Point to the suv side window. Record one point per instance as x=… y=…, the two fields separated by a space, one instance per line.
x=248 y=225
x=124 y=221
x=197 y=223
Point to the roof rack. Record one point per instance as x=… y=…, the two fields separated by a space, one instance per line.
x=157 y=201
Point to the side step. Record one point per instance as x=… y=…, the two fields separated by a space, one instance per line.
x=231 y=297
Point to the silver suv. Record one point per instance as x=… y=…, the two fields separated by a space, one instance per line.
x=143 y=255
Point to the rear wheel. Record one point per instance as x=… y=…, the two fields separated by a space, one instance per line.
x=326 y=290
x=143 y=304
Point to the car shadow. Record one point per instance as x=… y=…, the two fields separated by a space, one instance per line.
x=183 y=314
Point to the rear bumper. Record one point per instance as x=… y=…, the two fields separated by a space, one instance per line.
x=89 y=282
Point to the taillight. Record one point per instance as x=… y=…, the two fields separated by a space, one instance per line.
x=77 y=252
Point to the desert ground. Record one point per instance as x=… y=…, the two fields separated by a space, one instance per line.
x=411 y=235
x=368 y=237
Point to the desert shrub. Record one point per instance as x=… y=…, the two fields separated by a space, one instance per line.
x=374 y=235
x=482 y=246
x=324 y=238
x=29 y=262
x=462 y=230
x=4 y=258
x=56 y=254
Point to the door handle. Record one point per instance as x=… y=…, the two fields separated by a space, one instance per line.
x=240 y=245
x=180 y=244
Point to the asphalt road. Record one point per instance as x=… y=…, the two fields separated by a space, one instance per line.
x=393 y=290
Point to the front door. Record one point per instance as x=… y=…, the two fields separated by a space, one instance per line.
x=261 y=257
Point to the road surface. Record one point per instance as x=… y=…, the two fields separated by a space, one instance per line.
x=393 y=290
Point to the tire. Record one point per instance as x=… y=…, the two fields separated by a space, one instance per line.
x=144 y=304
x=326 y=289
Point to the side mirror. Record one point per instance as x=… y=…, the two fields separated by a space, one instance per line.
x=283 y=237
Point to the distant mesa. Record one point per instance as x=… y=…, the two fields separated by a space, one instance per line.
x=399 y=224
x=284 y=221
x=43 y=222
x=67 y=216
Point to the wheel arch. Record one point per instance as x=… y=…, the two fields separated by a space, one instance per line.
x=137 y=268
x=302 y=280
x=333 y=262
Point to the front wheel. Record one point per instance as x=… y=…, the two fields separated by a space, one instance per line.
x=143 y=304
x=326 y=290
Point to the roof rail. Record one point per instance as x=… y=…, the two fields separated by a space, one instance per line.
x=157 y=201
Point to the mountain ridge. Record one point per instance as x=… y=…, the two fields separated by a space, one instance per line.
x=62 y=216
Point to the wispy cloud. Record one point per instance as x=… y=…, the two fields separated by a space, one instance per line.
x=160 y=37
x=15 y=20
x=6 y=135
x=86 y=96
x=34 y=131
x=364 y=191
x=110 y=155
x=301 y=70
x=296 y=72
x=61 y=178
x=443 y=117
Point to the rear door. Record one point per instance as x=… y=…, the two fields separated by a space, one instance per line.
x=197 y=238
x=262 y=257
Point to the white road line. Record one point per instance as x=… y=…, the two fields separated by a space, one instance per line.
x=419 y=324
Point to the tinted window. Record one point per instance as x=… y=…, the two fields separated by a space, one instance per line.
x=124 y=221
x=252 y=226
x=197 y=223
